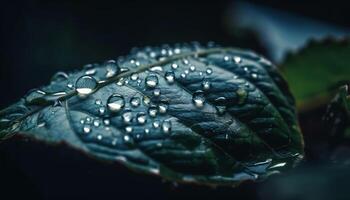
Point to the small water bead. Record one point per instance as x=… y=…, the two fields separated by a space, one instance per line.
x=115 y=102
x=226 y=58
x=99 y=137
x=82 y=121
x=146 y=100
x=200 y=73
x=127 y=117
x=141 y=117
x=106 y=122
x=59 y=76
x=135 y=101
x=163 y=51
x=102 y=110
x=121 y=82
x=152 y=54
x=162 y=108
x=156 y=124
x=166 y=126
x=152 y=111
x=137 y=63
x=170 y=77
x=146 y=131
x=85 y=85
x=209 y=71
x=254 y=75
x=183 y=75
x=206 y=85
x=114 y=141
x=70 y=85
x=246 y=69
x=90 y=71
x=128 y=129
x=98 y=102
x=134 y=76
x=151 y=81
x=193 y=68
x=185 y=61
x=237 y=59
x=156 y=68
x=124 y=69
x=127 y=138
x=96 y=123
x=177 y=51
x=156 y=92
x=87 y=128
x=198 y=99
x=174 y=66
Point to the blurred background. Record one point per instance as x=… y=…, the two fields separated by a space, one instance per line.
x=39 y=38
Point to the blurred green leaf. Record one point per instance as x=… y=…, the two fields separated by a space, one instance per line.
x=316 y=71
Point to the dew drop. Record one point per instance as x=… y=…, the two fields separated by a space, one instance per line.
x=99 y=137
x=174 y=66
x=156 y=68
x=135 y=101
x=226 y=58
x=102 y=110
x=146 y=100
x=85 y=85
x=237 y=59
x=185 y=61
x=146 y=131
x=156 y=92
x=90 y=72
x=198 y=99
x=70 y=85
x=59 y=76
x=177 y=51
x=98 y=102
x=209 y=71
x=106 y=122
x=115 y=102
x=87 y=128
x=141 y=117
x=192 y=68
x=152 y=81
x=183 y=75
x=128 y=129
x=127 y=117
x=156 y=124
x=254 y=75
x=96 y=123
x=206 y=85
x=152 y=111
x=166 y=126
x=162 y=107
x=170 y=77
x=134 y=76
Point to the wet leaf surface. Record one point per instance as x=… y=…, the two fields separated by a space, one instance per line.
x=189 y=113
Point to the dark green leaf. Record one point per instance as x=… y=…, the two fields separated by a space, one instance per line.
x=315 y=71
x=189 y=113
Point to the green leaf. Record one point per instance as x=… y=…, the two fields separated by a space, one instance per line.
x=188 y=113
x=316 y=71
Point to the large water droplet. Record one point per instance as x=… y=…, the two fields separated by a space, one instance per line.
x=141 y=117
x=198 y=99
x=152 y=111
x=166 y=126
x=85 y=85
x=115 y=102
x=170 y=77
x=151 y=81
x=135 y=101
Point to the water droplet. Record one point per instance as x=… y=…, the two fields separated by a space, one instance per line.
x=127 y=116
x=198 y=99
x=141 y=117
x=88 y=120
x=112 y=69
x=156 y=124
x=96 y=123
x=162 y=107
x=135 y=101
x=152 y=54
x=152 y=111
x=115 y=102
x=246 y=69
x=166 y=126
x=146 y=131
x=177 y=51
x=128 y=129
x=170 y=77
x=85 y=85
x=70 y=85
x=59 y=76
x=185 y=61
x=90 y=72
x=99 y=137
x=209 y=71
x=156 y=92
x=156 y=68
x=146 y=100
x=114 y=141
x=254 y=75
x=206 y=85
x=102 y=110
x=237 y=59
x=106 y=122
x=87 y=128
x=192 y=68
x=242 y=94
x=174 y=66
x=152 y=81
x=226 y=58
x=220 y=109
x=183 y=75
x=200 y=73
x=98 y=102
x=134 y=76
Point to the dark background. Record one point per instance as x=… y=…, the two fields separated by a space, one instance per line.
x=38 y=38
